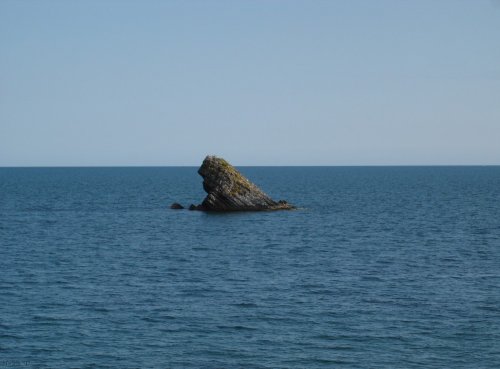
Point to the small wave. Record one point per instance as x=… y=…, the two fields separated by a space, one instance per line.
x=246 y=305
x=237 y=327
x=8 y=335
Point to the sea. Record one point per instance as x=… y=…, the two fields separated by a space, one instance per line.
x=379 y=267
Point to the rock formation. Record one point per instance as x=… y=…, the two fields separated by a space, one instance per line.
x=176 y=206
x=228 y=190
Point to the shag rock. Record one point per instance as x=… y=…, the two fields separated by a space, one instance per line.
x=176 y=206
x=229 y=190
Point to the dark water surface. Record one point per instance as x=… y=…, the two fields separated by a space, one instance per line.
x=383 y=267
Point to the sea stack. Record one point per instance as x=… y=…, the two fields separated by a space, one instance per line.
x=228 y=190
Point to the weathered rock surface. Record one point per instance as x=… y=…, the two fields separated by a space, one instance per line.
x=228 y=190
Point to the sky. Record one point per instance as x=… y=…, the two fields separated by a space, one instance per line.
x=258 y=82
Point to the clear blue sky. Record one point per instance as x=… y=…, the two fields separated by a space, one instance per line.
x=260 y=82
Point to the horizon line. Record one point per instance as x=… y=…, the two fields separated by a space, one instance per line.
x=250 y=166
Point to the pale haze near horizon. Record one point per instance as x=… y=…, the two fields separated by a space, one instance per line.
x=104 y=83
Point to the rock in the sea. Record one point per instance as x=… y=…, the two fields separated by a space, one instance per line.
x=176 y=206
x=228 y=190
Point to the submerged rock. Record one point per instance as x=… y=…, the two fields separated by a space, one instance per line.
x=228 y=190
x=176 y=206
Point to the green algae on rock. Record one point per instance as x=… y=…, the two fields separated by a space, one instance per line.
x=228 y=190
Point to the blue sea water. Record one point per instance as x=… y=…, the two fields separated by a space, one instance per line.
x=380 y=267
